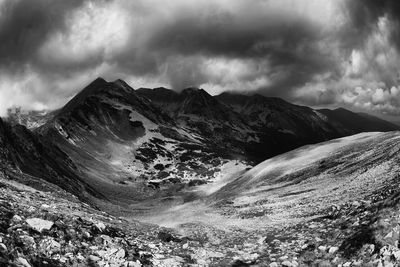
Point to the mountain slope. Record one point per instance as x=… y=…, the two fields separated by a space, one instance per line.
x=254 y=126
x=281 y=126
x=351 y=122
x=25 y=152
x=127 y=148
x=198 y=111
x=299 y=125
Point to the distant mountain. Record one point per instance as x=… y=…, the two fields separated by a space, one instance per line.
x=279 y=122
x=31 y=119
x=204 y=115
x=191 y=102
x=256 y=126
x=350 y=123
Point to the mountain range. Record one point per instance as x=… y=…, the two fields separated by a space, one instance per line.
x=150 y=154
x=151 y=141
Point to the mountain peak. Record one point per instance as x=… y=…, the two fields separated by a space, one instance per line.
x=98 y=81
x=342 y=110
x=92 y=88
x=121 y=83
x=190 y=90
x=194 y=92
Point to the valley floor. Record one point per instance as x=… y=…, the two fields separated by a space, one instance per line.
x=331 y=204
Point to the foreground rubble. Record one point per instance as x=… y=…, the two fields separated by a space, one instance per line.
x=44 y=229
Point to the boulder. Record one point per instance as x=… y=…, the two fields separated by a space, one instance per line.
x=39 y=225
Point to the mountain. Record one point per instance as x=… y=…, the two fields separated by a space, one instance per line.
x=279 y=114
x=193 y=103
x=279 y=122
x=196 y=110
x=183 y=165
x=352 y=123
x=127 y=148
x=139 y=145
x=28 y=153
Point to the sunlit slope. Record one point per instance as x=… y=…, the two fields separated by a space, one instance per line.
x=303 y=182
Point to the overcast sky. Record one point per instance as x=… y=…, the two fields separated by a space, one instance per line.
x=312 y=52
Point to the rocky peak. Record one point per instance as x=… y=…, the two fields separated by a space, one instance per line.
x=122 y=84
x=91 y=89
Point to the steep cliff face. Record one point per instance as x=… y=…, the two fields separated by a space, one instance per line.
x=29 y=153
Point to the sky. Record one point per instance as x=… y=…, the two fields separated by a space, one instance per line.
x=337 y=53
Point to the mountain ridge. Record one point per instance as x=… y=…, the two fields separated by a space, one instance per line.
x=186 y=161
x=156 y=142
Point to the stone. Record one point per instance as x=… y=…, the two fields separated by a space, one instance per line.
x=3 y=248
x=49 y=246
x=333 y=250
x=45 y=206
x=80 y=258
x=287 y=264
x=167 y=237
x=86 y=234
x=100 y=226
x=27 y=242
x=324 y=264
x=371 y=249
x=273 y=264
x=396 y=254
x=16 y=218
x=134 y=264
x=38 y=224
x=322 y=248
x=22 y=262
x=120 y=254
x=94 y=258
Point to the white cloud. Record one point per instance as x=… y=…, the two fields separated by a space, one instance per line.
x=98 y=30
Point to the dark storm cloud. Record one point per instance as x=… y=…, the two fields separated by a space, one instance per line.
x=286 y=42
x=25 y=25
x=308 y=51
x=364 y=15
x=227 y=35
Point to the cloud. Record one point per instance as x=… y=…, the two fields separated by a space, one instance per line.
x=308 y=51
x=25 y=25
